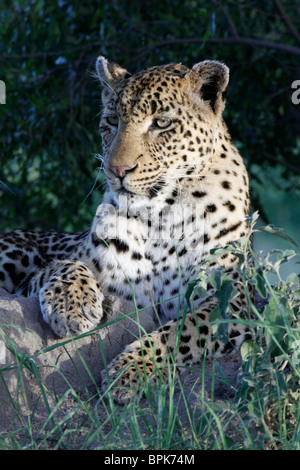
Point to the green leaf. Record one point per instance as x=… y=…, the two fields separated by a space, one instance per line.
x=292 y=279
x=275 y=314
x=281 y=233
x=224 y=294
x=247 y=350
x=260 y=283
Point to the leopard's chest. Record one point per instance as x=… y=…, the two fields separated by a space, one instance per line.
x=149 y=260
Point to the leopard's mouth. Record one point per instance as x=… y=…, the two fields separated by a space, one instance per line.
x=123 y=191
x=155 y=189
x=150 y=190
x=128 y=185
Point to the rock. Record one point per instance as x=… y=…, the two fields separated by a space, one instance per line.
x=33 y=359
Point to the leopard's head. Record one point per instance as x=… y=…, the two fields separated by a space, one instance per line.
x=159 y=125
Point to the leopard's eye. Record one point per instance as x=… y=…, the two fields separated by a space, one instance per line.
x=162 y=123
x=113 y=120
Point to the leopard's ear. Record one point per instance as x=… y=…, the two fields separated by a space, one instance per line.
x=110 y=75
x=210 y=80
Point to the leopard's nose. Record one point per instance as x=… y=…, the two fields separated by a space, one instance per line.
x=121 y=171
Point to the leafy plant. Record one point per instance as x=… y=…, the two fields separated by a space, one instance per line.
x=267 y=399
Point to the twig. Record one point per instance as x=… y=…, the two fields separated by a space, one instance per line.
x=287 y=20
x=59 y=52
x=231 y=23
x=282 y=162
x=251 y=42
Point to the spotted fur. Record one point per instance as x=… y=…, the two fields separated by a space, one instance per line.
x=177 y=188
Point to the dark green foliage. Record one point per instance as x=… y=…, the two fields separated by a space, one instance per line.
x=49 y=124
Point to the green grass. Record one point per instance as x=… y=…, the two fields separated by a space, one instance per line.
x=260 y=409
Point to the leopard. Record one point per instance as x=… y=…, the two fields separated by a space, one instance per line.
x=177 y=189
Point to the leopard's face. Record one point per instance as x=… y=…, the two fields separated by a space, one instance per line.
x=158 y=126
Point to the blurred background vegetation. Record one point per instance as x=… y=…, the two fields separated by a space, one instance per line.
x=49 y=176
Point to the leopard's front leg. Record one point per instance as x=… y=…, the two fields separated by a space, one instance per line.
x=185 y=344
x=70 y=297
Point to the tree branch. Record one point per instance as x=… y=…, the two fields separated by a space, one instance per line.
x=230 y=21
x=287 y=20
x=235 y=41
x=59 y=52
x=281 y=162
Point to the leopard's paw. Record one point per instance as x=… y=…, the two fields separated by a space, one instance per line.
x=123 y=380
x=140 y=363
x=71 y=299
